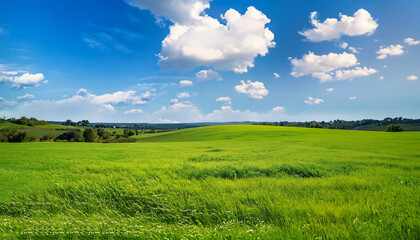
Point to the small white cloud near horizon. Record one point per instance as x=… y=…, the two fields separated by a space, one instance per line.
x=312 y=100
x=227 y=100
x=4 y=102
x=391 y=50
x=276 y=75
x=411 y=41
x=330 y=89
x=412 y=78
x=255 y=89
x=133 y=111
x=352 y=98
x=208 y=75
x=278 y=109
x=185 y=83
x=360 y=23
x=183 y=95
x=26 y=97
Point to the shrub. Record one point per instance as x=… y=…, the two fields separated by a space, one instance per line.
x=46 y=138
x=70 y=137
x=316 y=125
x=394 y=128
x=90 y=135
x=12 y=135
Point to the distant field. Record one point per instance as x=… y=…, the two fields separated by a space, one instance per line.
x=38 y=130
x=234 y=182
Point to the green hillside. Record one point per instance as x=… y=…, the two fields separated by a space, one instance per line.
x=234 y=182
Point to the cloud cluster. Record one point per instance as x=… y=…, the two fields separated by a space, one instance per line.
x=20 y=79
x=26 y=97
x=322 y=67
x=411 y=41
x=312 y=100
x=412 y=78
x=208 y=75
x=255 y=89
x=332 y=28
x=183 y=95
x=196 y=39
x=391 y=50
x=345 y=45
x=227 y=100
x=185 y=83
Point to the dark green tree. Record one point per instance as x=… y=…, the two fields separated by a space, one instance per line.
x=90 y=135
x=394 y=128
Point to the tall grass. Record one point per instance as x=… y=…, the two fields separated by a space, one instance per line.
x=256 y=182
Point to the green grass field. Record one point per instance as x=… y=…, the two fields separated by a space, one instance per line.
x=220 y=182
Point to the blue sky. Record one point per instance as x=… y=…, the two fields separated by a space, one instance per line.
x=200 y=60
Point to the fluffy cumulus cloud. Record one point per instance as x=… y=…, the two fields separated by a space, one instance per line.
x=353 y=73
x=208 y=75
x=196 y=39
x=345 y=45
x=322 y=67
x=26 y=97
x=391 y=50
x=412 y=77
x=411 y=41
x=20 y=79
x=332 y=28
x=312 y=100
x=185 y=83
x=255 y=89
x=227 y=100
x=183 y=95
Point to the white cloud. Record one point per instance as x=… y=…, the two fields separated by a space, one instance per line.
x=26 y=96
x=276 y=75
x=185 y=83
x=227 y=100
x=133 y=111
x=330 y=89
x=391 y=50
x=344 y=45
x=278 y=109
x=353 y=50
x=332 y=28
x=322 y=67
x=353 y=73
x=20 y=79
x=352 y=98
x=183 y=95
x=207 y=75
x=411 y=41
x=4 y=102
x=412 y=77
x=381 y=78
x=312 y=101
x=197 y=39
x=385 y=66
x=174 y=101
x=107 y=107
x=255 y=89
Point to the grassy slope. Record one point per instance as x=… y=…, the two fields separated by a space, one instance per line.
x=244 y=181
x=38 y=130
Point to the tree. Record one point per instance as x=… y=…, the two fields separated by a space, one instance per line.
x=68 y=122
x=70 y=136
x=316 y=125
x=394 y=128
x=90 y=135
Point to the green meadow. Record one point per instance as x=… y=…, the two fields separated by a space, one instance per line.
x=219 y=182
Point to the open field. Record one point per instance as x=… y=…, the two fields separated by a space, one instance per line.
x=241 y=181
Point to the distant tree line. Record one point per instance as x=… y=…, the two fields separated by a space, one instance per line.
x=27 y=121
x=342 y=124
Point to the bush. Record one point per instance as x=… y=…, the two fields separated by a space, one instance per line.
x=316 y=125
x=12 y=135
x=70 y=137
x=90 y=135
x=394 y=128
x=46 y=138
